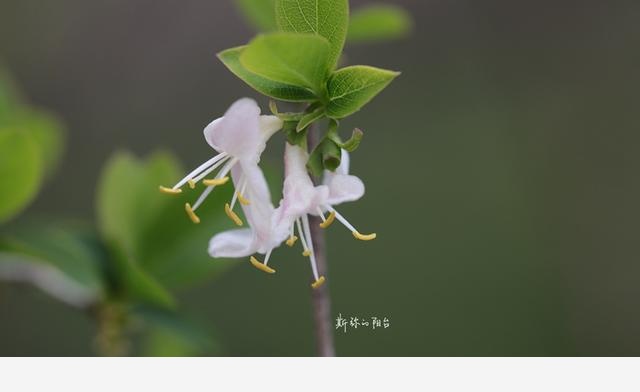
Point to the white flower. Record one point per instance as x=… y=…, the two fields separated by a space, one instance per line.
x=301 y=198
x=239 y=137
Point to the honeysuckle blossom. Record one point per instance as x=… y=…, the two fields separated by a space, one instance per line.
x=239 y=137
x=301 y=199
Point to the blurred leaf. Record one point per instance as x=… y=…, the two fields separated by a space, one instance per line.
x=326 y=18
x=48 y=134
x=21 y=171
x=351 y=88
x=378 y=22
x=296 y=59
x=260 y=13
x=285 y=92
x=159 y=246
x=171 y=335
x=62 y=261
x=30 y=147
x=127 y=203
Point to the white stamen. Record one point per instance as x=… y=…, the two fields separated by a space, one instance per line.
x=243 y=184
x=303 y=241
x=312 y=257
x=266 y=258
x=212 y=168
x=199 y=169
x=342 y=219
x=209 y=189
x=321 y=214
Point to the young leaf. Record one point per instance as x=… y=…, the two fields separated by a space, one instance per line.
x=351 y=144
x=282 y=91
x=260 y=13
x=326 y=18
x=21 y=169
x=351 y=88
x=297 y=59
x=310 y=117
x=378 y=22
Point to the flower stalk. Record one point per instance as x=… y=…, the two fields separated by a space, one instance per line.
x=320 y=298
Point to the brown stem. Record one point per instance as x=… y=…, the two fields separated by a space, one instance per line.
x=320 y=297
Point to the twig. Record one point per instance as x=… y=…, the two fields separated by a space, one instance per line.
x=320 y=296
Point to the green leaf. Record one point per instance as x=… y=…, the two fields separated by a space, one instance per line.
x=379 y=22
x=64 y=262
x=21 y=170
x=128 y=202
x=308 y=118
x=326 y=155
x=49 y=136
x=282 y=91
x=260 y=13
x=351 y=144
x=297 y=59
x=326 y=18
x=351 y=88
x=157 y=241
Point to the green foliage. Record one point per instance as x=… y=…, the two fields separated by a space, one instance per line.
x=30 y=147
x=21 y=170
x=153 y=243
x=326 y=18
x=62 y=260
x=282 y=91
x=297 y=59
x=326 y=155
x=352 y=87
x=312 y=114
x=260 y=13
x=378 y=22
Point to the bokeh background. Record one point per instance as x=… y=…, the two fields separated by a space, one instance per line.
x=501 y=172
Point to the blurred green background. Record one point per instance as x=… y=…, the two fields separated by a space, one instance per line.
x=501 y=173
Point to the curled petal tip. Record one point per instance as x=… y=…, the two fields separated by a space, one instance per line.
x=261 y=266
x=364 y=237
x=169 y=191
x=232 y=215
x=192 y=215
x=318 y=282
x=215 y=181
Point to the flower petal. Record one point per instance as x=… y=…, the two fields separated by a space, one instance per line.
x=238 y=131
x=233 y=243
x=343 y=188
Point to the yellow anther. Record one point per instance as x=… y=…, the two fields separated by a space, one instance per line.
x=169 y=191
x=364 y=237
x=242 y=200
x=292 y=240
x=261 y=266
x=327 y=222
x=232 y=215
x=318 y=282
x=306 y=253
x=192 y=215
x=192 y=184
x=215 y=181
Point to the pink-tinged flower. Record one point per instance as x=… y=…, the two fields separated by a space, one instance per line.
x=239 y=137
x=301 y=199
